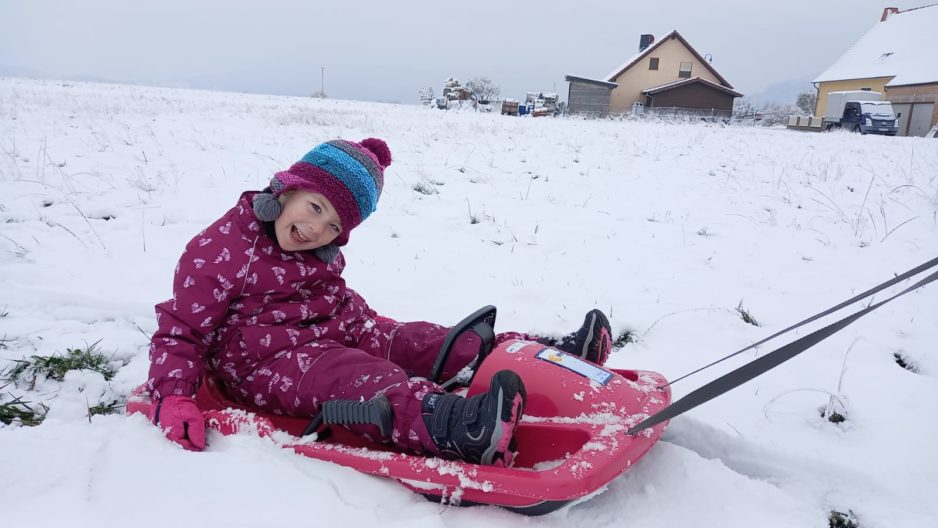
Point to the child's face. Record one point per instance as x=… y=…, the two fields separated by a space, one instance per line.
x=308 y=221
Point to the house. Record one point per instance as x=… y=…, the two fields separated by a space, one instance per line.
x=896 y=57
x=664 y=74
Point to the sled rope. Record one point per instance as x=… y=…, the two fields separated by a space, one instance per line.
x=775 y=358
x=891 y=282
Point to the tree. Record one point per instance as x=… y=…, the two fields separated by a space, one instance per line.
x=766 y=114
x=806 y=102
x=743 y=107
x=425 y=95
x=774 y=113
x=482 y=89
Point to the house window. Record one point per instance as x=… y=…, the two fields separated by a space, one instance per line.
x=866 y=89
x=653 y=64
x=684 y=72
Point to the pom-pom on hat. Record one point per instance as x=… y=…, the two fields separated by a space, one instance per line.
x=349 y=174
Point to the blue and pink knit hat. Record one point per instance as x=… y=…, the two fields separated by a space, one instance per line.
x=349 y=174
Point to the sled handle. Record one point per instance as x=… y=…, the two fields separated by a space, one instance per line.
x=481 y=323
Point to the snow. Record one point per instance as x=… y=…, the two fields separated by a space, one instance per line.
x=668 y=227
x=611 y=76
x=877 y=107
x=691 y=80
x=903 y=46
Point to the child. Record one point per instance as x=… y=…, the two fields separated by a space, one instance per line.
x=259 y=300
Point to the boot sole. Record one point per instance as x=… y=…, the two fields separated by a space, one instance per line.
x=595 y=339
x=506 y=388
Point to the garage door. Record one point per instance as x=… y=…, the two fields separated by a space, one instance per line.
x=902 y=110
x=920 y=119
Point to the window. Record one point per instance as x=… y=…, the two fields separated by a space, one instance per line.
x=866 y=89
x=653 y=64
x=852 y=111
x=684 y=72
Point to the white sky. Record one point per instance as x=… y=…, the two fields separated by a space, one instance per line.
x=387 y=50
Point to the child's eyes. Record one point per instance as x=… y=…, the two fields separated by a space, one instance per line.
x=318 y=210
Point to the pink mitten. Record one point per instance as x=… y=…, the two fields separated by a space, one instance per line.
x=181 y=421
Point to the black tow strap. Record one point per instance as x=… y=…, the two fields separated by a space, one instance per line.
x=775 y=358
x=891 y=282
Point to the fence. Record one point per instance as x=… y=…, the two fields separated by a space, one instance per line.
x=703 y=114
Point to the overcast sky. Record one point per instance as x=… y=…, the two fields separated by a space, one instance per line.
x=386 y=50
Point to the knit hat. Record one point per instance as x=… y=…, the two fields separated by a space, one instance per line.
x=349 y=174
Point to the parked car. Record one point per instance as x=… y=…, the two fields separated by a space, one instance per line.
x=860 y=111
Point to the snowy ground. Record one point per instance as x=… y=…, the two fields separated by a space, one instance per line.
x=667 y=227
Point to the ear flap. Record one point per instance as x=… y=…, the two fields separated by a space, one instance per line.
x=327 y=253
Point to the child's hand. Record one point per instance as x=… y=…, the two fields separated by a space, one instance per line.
x=181 y=421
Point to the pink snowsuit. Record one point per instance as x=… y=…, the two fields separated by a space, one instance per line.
x=284 y=334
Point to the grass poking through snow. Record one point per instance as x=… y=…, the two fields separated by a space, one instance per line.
x=55 y=367
x=624 y=338
x=22 y=412
x=843 y=520
x=745 y=315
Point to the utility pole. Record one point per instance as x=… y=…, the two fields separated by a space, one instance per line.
x=322 y=82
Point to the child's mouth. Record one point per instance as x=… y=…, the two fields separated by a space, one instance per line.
x=297 y=236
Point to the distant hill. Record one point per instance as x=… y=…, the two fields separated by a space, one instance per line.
x=31 y=73
x=20 y=71
x=782 y=92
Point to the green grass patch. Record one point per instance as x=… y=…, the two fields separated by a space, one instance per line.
x=839 y=519
x=114 y=407
x=905 y=362
x=55 y=367
x=624 y=338
x=425 y=188
x=745 y=315
x=833 y=416
x=22 y=412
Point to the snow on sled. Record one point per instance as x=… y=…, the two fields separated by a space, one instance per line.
x=571 y=442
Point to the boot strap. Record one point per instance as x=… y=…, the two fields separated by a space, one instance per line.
x=471 y=410
x=439 y=420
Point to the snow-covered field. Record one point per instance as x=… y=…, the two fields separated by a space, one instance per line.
x=667 y=227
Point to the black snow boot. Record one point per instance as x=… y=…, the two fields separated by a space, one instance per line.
x=479 y=429
x=592 y=342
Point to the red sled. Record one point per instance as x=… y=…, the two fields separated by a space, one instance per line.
x=571 y=443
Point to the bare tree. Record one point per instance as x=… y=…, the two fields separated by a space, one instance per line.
x=425 y=95
x=482 y=89
x=807 y=101
x=773 y=113
x=743 y=107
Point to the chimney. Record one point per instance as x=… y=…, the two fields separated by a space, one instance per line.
x=647 y=40
x=888 y=11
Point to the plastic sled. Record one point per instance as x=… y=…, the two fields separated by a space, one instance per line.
x=571 y=443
